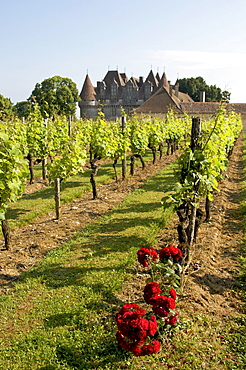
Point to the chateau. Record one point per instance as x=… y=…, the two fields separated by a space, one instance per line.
x=150 y=96
x=116 y=92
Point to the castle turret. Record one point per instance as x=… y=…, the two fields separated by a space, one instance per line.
x=88 y=104
x=163 y=82
x=88 y=91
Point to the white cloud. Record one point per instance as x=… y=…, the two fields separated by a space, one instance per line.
x=226 y=70
x=199 y=60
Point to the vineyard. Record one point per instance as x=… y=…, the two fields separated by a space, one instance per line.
x=157 y=183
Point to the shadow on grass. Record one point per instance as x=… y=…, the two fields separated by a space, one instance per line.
x=109 y=354
x=56 y=276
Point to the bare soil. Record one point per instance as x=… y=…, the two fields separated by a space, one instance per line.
x=211 y=280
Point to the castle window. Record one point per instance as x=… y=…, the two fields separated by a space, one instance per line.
x=114 y=89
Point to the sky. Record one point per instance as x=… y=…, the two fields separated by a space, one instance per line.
x=70 y=38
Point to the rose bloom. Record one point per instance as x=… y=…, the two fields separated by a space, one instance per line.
x=171 y=251
x=173 y=293
x=132 y=325
x=171 y=320
x=144 y=253
x=151 y=291
x=138 y=348
x=162 y=305
x=147 y=349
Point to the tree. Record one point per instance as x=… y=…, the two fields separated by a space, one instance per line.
x=6 y=108
x=193 y=86
x=23 y=109
x=56 y=96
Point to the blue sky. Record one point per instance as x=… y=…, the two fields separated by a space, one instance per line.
x=186 y=38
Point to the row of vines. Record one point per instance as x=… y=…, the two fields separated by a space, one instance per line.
x=202 y=166
x=64 y=148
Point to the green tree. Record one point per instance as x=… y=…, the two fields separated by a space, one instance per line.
x=56 y=96
x=193 y=86
x=6 y=108
x=23 y=109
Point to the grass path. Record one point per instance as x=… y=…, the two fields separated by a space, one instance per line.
x=60 y=314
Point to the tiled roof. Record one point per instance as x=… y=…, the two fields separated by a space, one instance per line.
x=135 y=81
x=211 y=107
x=151 y=78
x=113 y=75
x=88 y=91
x=159 y=102
x=163 y=81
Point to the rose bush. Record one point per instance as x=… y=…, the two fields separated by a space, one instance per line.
x=171 y=251
x=134 y=330
x=137 y=330
x=145 y=254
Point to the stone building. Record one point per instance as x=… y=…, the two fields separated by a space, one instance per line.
x=152 y=96
x=116 y=92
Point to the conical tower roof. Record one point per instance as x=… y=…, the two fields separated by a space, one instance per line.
x=88 y=91
x=151 y=78
x=163 y=82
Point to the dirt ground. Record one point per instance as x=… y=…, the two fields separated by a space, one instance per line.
x=211 y=280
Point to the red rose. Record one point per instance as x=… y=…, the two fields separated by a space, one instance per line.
x=152 y=326
x=151 y=292
x=133 y=330
x=171 y=251
x=145 y=253
x=171 y=320
x=147 y=349
x=162 y=305
x=173 y=293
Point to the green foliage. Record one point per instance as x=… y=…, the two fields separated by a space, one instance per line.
x=36 y=133
x=16 y=130
x=23 y=109
x=55 y=96
x=192 y=86
x=6 y=108
x=13 y=172
x=176 y=128
x=139 y=139
x=68 y=160
x=202 y=169
x=103 y=142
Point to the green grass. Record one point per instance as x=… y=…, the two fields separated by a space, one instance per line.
x=61 y=314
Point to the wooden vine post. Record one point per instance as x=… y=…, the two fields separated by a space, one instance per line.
x=57 y=197
x=6 y=233
x=123 y=125
x=196 y=131
x=189 y=215
x=187 y=212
